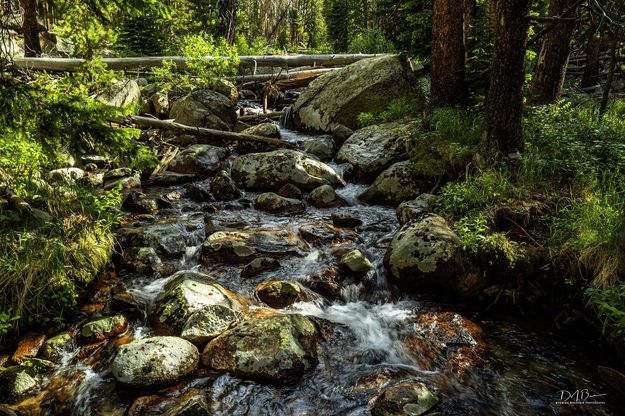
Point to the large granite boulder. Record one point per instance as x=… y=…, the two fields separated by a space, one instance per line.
x=199 y=159
x=124 y=93
x=205 y=108
x=398 y=183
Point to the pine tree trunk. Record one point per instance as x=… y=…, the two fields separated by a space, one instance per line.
x=504 y=103
x=591 y=68
x=553 y=57
x=448 y=87
x=30 y=27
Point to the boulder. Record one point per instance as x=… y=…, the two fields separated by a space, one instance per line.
x=264 y=129
x=208 y=322
x=291 y=191
x=223 y=187
x=323 y=147
x=54 y=347
x=356 y=261
x=258 y=266
x=28 y=347
x=415 y=209
x=186 y=293
x=272 y=170
x=244 y=246
x=199 y=159
x=225 y=88
x=104 y=328
x=18 y=380
x=205 y=108
x=124 y=93
x=404 y=399
x=396 y=184
x=375 y=148
x=325 y=196
x=425 y=254
x=154 y=361
x=270 y=348
x=277 y=204
x=147 y=261
x=279 y=293
x=167 y=239
x=337 y=98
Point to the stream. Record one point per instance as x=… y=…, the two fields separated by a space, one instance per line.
x=373 y=334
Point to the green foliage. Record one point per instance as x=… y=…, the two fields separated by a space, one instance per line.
x=402 y=108
x=371 y=41
x=609 y=305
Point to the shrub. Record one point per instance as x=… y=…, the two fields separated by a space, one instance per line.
x=371 y=41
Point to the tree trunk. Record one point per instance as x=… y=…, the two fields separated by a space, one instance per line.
x=470 y=19
x=30 y=27
x=591 y=68
x=448 y=87
x=613 y=62
x=553 y=57
x=504 y=103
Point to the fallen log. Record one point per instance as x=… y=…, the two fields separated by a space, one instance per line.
x=145 y=62
x=261 y=115
x=293 y=75
x=204 y=132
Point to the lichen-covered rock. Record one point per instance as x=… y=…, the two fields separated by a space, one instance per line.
x=223 y=187
x=405 y=399
x=372 y=149
x=258 y=266
x=356 y=261
x=279 y=293
x=184 y=294
x=274 y=203
x=264 y=129
x=225 y=88
x=18 y=380
x=272 y=170
x=124 y=93
x=154 y=361
x=396 y=184
x=208 y=322
x=54 y=347
x=147 y=261
x=415 y=209
x=267 y=348
x=104 y=328
x=291 y=191
x=323 y=147
x=199 y=159
x=242 y=247
x=325 y=196
x=426 y=254
x=205 y=108
x=168 y=239
x=337 y=98
x=321 y=234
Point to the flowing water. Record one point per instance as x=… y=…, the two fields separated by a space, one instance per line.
x=373 y=335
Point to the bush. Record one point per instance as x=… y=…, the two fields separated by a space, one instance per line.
x=371 y=41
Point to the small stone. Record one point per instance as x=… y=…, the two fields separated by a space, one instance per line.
x=199 y=191
x=223 y=187
x=28 y=347
x=322 y=147
x=290 y=191
x=104 y=328
x=325 y=197
x=279 y=293
x=346 y=220
x=258 y=266
x=277 y=204
x=405 y=399
x=356 y=261
x=54 y=347
x=415 y=209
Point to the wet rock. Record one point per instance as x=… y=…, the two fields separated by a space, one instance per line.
x=242 y=247
x=337 y=98
x=414 y=210
x=199 y=191
x=199 y=159
x=19 y=380
x=613 y=378
x=223 y=187
x=258 y=266
x=268 y=348
x=154 y=361
x=205 y=108
x=395 y=185
x=264 y=129
x=124 y=177
x=272 y=170
x=147 y=261
x=356 y=261
x=208 y=322
x=324 y=234
x=405 y=399
x=291 y=191
x=425 y=254
x=275 y=204
x=373 y=149
x=322 y=147
x=54 y=347
x=326 y=282
x=171 y=178
x=66 y=176
x=28 y=347
x=279 y=293
x=324 y=196
x=167 y=239
x=186 y=293
x=345 y=220
x=104 y=328
x=124 y=93
x=139 y=204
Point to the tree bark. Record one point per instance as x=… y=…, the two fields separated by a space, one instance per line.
x=613 y=62
x=553 y=57
x=30 y=27
x=448 y=60
x=504 y=103
x=591 y=67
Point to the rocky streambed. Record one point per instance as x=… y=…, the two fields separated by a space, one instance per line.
x=264 y=281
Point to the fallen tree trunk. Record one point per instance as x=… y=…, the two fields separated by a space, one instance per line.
x=293 y=75
x=204 y=132
x=138 y=63
x=261 y=115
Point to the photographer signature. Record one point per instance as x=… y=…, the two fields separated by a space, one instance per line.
x=580 y=396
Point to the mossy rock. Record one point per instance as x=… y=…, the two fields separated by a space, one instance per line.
x=17 y=381
x=54 y=347
x=405 y=399
x=279 y=293
x=104 y=328
x=276 y=204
